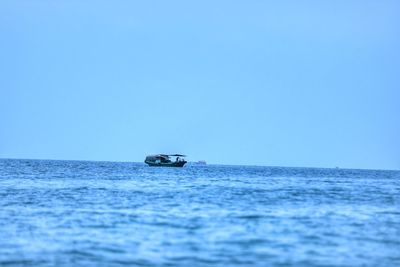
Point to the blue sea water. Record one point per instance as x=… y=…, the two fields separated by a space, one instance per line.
x=81 y=213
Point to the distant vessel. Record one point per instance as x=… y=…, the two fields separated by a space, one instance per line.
x=164 y=160
x=201 y=162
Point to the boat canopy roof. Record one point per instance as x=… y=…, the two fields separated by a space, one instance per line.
x=167 y=155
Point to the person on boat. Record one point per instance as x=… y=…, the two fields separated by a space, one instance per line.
x=177 y=159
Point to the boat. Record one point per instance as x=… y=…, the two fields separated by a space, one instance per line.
x=165 y=160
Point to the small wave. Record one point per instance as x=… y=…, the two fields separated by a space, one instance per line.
x=251 y=216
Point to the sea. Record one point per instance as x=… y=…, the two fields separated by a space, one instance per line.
x=86 y=213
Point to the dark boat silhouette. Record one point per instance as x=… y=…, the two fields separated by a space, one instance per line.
x=164 y=160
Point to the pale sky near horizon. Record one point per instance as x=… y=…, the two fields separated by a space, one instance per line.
x=276 y=83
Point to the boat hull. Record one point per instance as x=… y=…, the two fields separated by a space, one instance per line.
x=168 y=164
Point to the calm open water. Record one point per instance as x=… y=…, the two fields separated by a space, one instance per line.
x=76 y=213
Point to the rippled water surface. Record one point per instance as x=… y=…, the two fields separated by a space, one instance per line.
x=75 y=213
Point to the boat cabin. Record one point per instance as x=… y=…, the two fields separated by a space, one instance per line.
x=165 y=160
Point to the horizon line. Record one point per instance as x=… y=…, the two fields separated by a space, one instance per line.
x=209 y=164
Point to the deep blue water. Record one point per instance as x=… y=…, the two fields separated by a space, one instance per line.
x=76 y=213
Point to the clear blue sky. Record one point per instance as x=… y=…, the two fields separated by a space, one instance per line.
x=287 y=83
